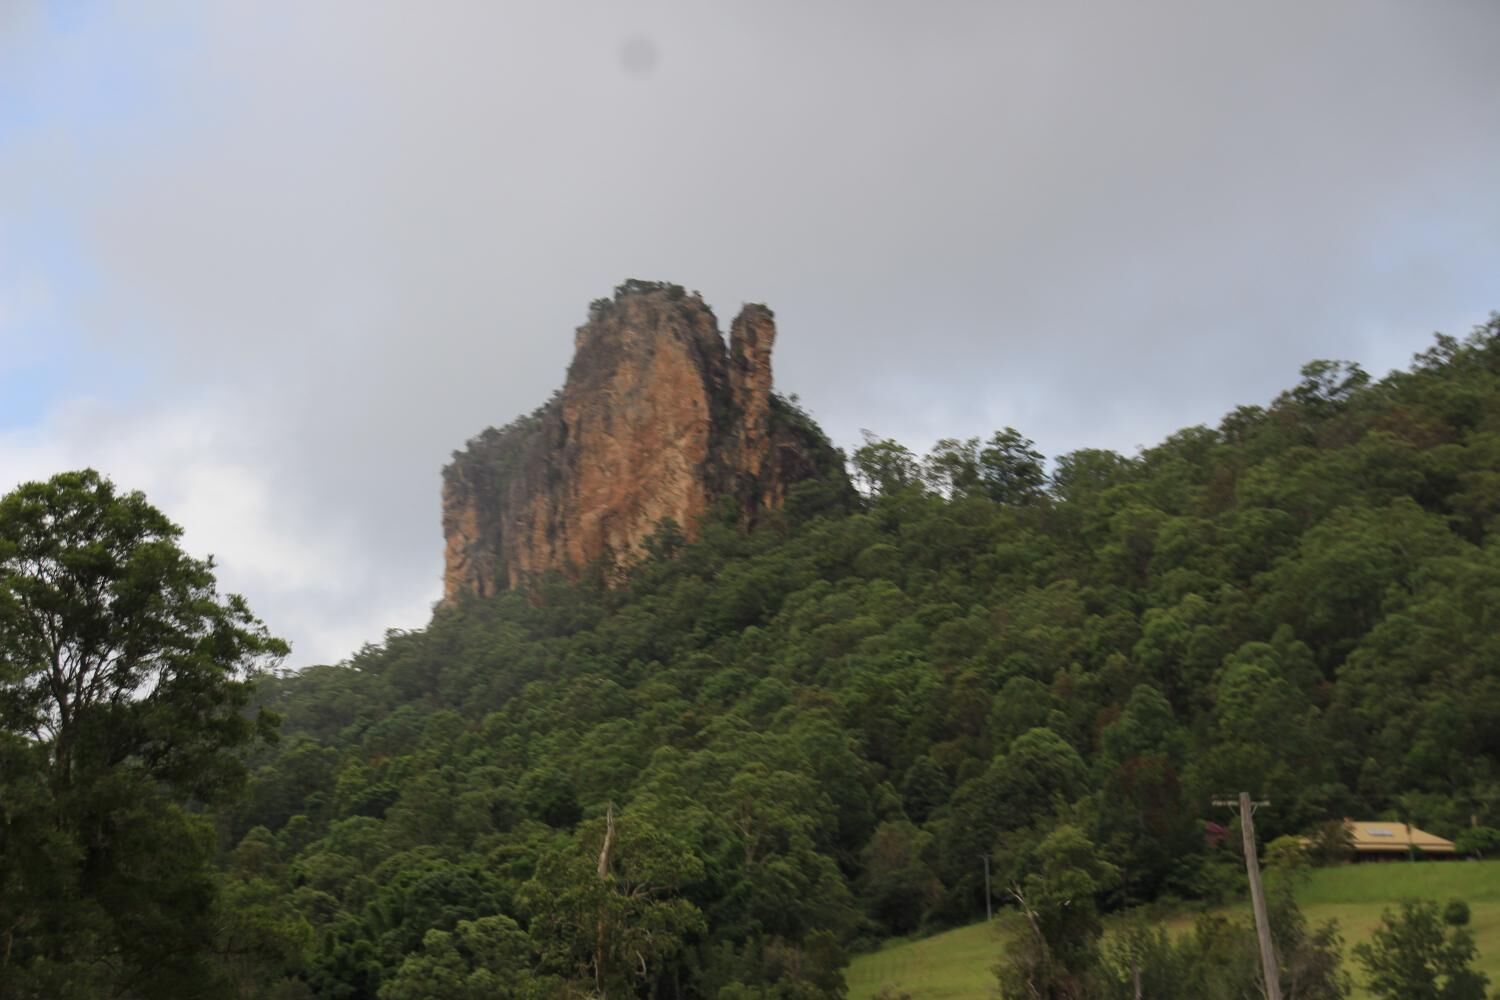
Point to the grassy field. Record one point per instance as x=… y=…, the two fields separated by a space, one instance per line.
x=959 y=963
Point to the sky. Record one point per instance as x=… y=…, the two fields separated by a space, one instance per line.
x=271 y=262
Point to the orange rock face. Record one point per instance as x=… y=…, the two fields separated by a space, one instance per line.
x=657 y=421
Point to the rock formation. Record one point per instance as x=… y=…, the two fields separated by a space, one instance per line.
x=656 y=421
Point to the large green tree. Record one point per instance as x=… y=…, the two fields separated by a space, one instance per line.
x=124 y=684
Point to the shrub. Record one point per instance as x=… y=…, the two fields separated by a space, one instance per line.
x=1478 y=841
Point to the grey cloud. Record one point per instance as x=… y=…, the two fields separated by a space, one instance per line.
x=374 y=225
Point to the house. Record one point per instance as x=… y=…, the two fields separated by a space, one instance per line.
x=1379 y=841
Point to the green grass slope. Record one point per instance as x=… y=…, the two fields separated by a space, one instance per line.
x=959 y=963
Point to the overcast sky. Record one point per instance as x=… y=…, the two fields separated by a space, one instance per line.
x=272 y=261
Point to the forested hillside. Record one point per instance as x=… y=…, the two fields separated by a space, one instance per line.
x=786 y=744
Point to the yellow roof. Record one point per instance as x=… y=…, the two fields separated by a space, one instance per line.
x=1394 y=837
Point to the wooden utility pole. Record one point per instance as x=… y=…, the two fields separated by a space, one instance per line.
x=1269 y=967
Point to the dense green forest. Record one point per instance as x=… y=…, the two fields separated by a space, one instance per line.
x=785 y=745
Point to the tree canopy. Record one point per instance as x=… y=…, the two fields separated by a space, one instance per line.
x=124 y=691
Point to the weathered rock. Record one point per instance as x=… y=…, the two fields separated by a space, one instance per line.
x=656 y=421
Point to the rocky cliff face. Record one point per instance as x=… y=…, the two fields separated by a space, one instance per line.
x=657 y=421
